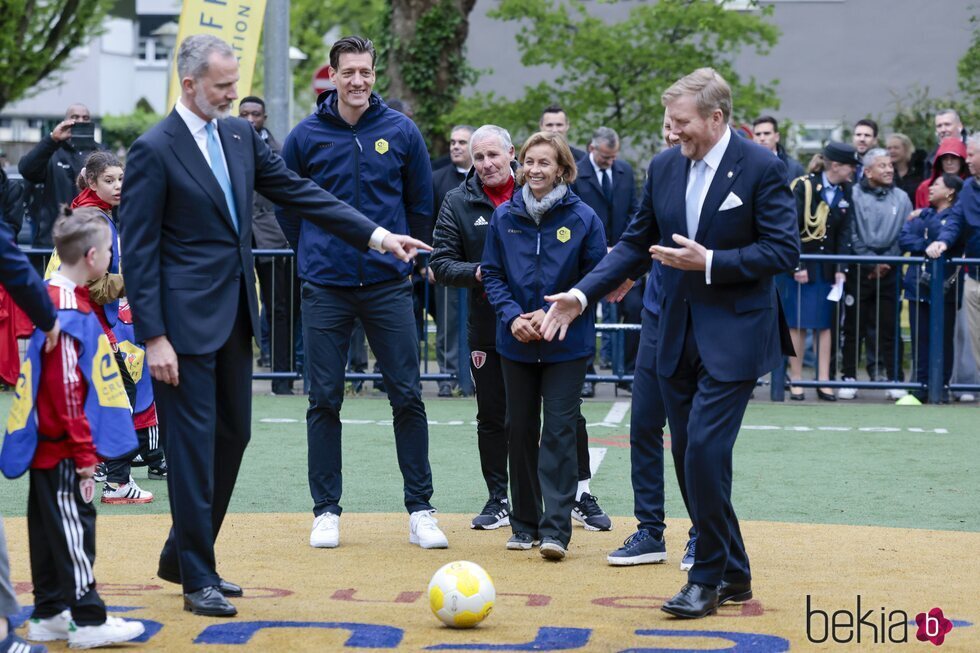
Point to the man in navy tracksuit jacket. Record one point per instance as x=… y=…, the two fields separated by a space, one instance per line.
x=375 y=159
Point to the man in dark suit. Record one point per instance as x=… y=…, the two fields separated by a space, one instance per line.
x=722 y=222
x=607 y=185
x=555 y=119
x=447 y=299
x=187 y=234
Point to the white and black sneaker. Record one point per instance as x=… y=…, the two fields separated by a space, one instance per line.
x=588 y=512
x=101 y=473
x=122 y=493
x=494 y=515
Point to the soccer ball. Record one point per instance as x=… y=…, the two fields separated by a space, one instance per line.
x=461 y=594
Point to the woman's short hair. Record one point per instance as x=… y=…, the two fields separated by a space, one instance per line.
x=563 y=155
x=905 y=141
x=710 y=91
x=77 y=231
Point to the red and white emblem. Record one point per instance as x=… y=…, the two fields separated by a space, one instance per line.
x=478 y=358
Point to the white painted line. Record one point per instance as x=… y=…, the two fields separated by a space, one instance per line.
x=617 y=412
x=278 y=420
x=595 y=458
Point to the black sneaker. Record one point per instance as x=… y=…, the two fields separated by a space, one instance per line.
x=588 y=512
x=157 y=472
x=100 y=473
x=521 y=542
x=494 y=515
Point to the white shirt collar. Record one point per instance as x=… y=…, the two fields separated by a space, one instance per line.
x=61 y=281
x=713 y=158
x=599 y=172
x=193 y=121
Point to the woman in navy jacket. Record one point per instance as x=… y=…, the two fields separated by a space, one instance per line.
x=543 y=240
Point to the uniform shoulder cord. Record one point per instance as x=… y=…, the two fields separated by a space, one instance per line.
x=814 y=224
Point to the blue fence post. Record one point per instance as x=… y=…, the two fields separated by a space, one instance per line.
x=937 y=267
x=465 y=381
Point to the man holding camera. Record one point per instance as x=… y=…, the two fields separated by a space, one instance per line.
x=55 y=162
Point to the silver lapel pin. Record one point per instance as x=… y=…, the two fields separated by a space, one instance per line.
x=238 y=138
x=729 y=174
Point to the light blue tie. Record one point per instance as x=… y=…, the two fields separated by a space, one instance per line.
x=694 y=198
x=220 y=171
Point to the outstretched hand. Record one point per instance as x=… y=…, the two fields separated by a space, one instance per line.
x=565 y=307
x=404 y=247
x=691 y=255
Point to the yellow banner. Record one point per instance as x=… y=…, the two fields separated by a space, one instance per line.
x=237 y=22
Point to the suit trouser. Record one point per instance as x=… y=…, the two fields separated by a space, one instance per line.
x=447 y=330
x=8 y=598
x=206 y=423
x=385 y=310
x=275 y=285
x=543 y=460
x=705 y=415
x=61 y=531
x=971 y=305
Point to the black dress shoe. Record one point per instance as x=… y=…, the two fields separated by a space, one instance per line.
x=826 y=396
x=797 y=396
x=588 y=389
x=693 y=602
x=209 y=602
x=225 y=587
x=734 y=592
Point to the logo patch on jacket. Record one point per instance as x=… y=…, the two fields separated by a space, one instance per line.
x=564 y=235
x=381 y=146
x=480 y=222
x=479 y=358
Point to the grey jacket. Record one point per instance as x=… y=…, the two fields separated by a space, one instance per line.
x=879 y=214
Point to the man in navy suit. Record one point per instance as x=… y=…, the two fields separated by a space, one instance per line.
x=606 y=184
x=186 y=220
x=722 y=222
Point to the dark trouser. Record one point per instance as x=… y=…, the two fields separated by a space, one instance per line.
x=447 y=331
x=206 y=423
x=385 y=310
x=919 y=323
x=871 y=317
x=61 y=530
x=648 y=417
x=705 y=415
x=628 y=311
x=357 y=358
x=543 y=460
x=275 y=286
x=118 y=471
x=491 y=409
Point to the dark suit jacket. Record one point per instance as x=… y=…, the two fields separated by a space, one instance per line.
x=614 y=217
x=184 y=262
x=444 y=180
x=737 y=321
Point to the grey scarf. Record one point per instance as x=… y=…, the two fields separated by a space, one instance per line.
x=536 y=208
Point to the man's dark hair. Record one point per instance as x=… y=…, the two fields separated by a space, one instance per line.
x=763 y=119
x=252 y=99
x=554 y=108
x=868 y=122
x=351 y=45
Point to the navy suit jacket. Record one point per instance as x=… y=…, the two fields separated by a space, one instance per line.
x=616 y=216
x=737 y=321
x=184 y=262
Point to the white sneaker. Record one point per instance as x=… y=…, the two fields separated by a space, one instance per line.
x=422 y=530
x=966 y=397
x=895 y=394
x=113 y=631
x=49 y=630
x=326 y=531
x=847 y=393
x=125 y=493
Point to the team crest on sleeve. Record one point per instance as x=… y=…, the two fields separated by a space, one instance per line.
x=478 y=358
x=23 y=402
x=564 y=235
x=381 y=146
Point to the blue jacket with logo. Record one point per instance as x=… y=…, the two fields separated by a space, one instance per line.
x=524 y=261
x=380 y=166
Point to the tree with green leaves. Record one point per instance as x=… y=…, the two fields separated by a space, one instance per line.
x=613 y=73
x=38 y=36
x=968 y=68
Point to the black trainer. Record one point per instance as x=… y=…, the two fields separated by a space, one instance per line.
x=157 y=472
x=588 y=512
x=101 y=473
x=494 y=515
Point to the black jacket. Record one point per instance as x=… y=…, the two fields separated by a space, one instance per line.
x=444 y=180
x=56 y=165
x=835 y=239
x=266 y=233
x=616 y=216
x=460 y=232
x=11 y=202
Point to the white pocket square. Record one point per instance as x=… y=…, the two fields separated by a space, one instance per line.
x=731 y=202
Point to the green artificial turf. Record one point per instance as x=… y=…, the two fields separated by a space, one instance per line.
x=794 y=463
